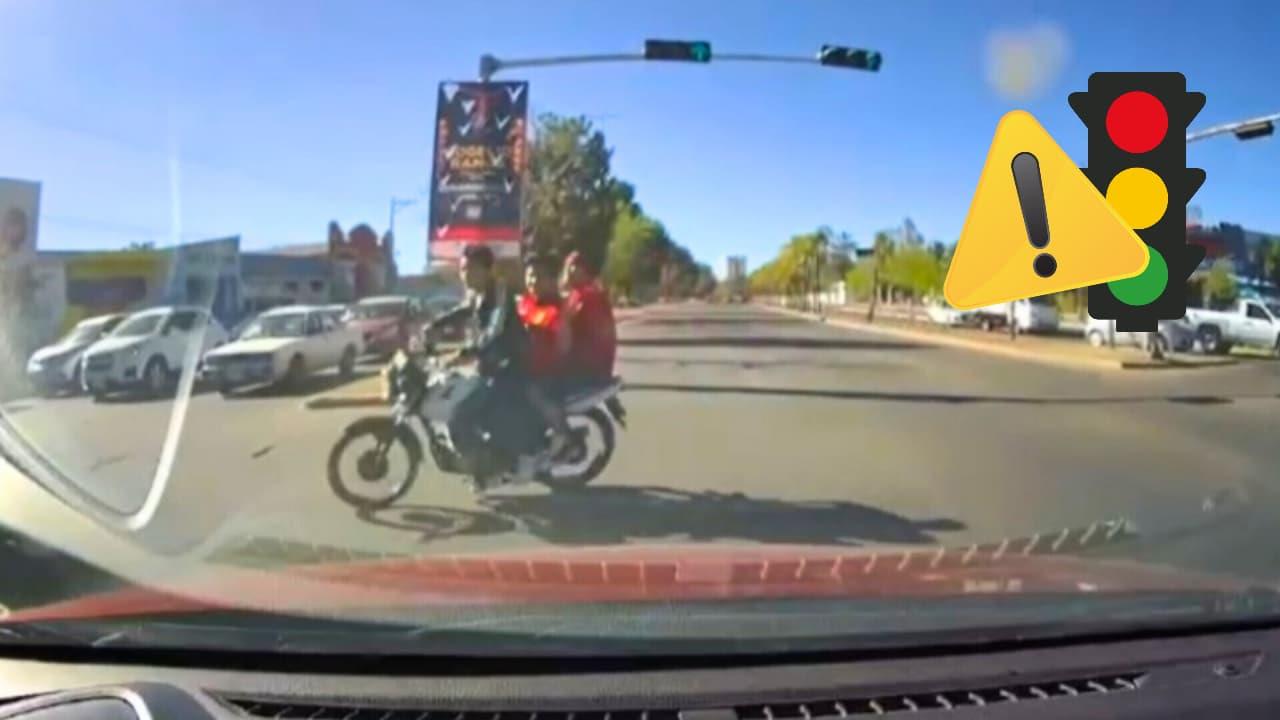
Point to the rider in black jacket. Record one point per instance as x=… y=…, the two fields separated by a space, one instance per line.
x=499 y=346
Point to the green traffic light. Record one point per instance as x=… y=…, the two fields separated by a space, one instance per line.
x=1145 y=288
x=700 y=51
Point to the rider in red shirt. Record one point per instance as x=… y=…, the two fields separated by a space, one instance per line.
x=590 y=319
x=542 y=312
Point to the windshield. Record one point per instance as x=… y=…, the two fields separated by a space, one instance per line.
x=139 y=325
x=291 y=325
x=84 y=333
x=366 y=311
x=737 y=318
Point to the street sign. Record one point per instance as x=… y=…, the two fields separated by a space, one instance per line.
x=680 y=50
x=478 y=175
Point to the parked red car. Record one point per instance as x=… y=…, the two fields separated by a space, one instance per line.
x=387 y=322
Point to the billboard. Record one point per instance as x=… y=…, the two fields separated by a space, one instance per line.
x=19 y=216
x=479 y=162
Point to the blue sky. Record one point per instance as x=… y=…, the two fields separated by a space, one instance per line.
x=148 y=121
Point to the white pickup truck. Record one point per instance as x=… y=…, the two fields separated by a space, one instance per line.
x=1252 y=322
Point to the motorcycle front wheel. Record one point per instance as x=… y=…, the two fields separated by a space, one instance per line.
x=588 y=456
x=374 y=463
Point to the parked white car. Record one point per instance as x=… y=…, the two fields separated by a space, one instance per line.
x=1251 y=322
x=148 y=350
x=56 y=367
x=284 y=345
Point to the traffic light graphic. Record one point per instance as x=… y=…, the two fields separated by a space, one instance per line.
x=679 y=50
x=1137 y=160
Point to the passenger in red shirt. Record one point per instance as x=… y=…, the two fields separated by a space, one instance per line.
x=542 y=312
x=590 y=319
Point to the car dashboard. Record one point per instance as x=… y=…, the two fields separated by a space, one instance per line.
x=1210 y=676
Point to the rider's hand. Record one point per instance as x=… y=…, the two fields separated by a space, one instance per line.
x=456 y=358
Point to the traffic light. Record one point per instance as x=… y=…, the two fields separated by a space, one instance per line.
x=856 y=58
x=682 y=50
x=1254 y=130
x=1137 y=160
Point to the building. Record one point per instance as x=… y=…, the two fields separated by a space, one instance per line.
x=735 y=274
x=75 y=285
x=271 y=280
x=359 y=263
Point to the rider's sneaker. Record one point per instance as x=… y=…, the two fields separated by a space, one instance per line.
x=557 y=445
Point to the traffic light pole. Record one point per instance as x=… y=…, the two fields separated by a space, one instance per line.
x=490 y=65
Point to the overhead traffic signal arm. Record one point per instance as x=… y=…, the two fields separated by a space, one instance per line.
x=1137 y=160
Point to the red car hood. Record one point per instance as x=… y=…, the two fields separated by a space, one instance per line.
x=633 y=574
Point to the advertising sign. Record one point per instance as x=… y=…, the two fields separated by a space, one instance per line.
x=111 y=282
x=207 y=274
x=480 y=158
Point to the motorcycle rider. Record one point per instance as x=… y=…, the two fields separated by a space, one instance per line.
x=550 y=339
x=498 y=345
x=590 y=320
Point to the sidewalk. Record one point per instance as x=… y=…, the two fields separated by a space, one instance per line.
x=1063 y=351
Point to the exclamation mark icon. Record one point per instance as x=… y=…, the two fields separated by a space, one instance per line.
x=1026 y=178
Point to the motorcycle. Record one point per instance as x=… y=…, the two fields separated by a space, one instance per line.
x=432 y=393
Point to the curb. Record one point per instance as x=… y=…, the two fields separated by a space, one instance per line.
x=1110 y=365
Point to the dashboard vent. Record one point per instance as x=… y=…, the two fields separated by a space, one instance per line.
x=946 y=700
x=881 y=705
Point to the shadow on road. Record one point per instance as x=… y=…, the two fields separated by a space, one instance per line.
x=437 y=523
x=944 y=398
x=616 y=515
x=747 y=341
x=312 y=385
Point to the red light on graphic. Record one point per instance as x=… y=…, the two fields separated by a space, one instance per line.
x=1137 y=122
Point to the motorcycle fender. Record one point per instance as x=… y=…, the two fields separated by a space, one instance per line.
x=382 y=424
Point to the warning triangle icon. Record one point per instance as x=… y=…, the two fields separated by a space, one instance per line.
x=1032 y=202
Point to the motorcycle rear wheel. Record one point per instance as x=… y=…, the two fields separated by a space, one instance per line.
x=372 y=465
x=594 y=424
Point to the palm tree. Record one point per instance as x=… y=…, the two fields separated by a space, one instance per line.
x=881 y=248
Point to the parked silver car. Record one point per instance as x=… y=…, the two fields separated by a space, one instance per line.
x=1174 y=335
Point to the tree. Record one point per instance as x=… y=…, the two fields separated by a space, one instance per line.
x=573 y=199
x=1271 y=260
x=881 y=251
x=1220 y=286
x=915 y=270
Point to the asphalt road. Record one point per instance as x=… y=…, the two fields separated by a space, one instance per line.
x=746 y=426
